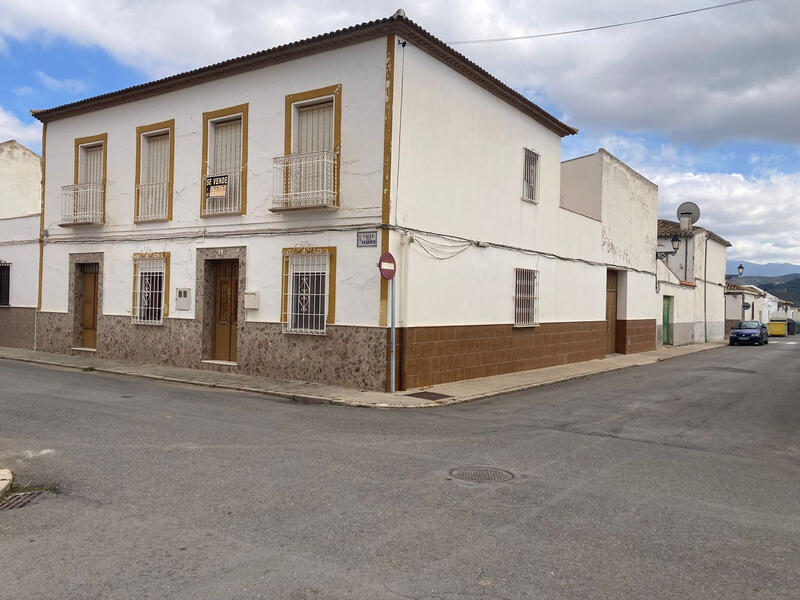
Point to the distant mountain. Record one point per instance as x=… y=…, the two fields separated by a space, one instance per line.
x=760 y=280
x=768 y=270
x=787 y=290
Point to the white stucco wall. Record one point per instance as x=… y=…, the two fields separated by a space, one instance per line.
x=357 y=287
x=21 y=173
x=626 y=204
x=360 y=69
x=702 y=305
x=19 y=246
x=458 y=169
x=580 y=188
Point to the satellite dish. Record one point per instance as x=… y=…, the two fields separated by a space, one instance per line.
x=688 y=214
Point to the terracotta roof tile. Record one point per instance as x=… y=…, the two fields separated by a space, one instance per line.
x=667 y=228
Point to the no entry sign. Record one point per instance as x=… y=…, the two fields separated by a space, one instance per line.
x=387 y=265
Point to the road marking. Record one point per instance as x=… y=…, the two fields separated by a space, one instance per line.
x=787 y=343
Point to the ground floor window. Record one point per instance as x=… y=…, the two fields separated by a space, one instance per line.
x=5 y=283
x=150 y=288
x=309 y=283
x=526 y=297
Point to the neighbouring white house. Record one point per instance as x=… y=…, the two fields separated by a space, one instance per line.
x=691 y=285
x=232 y=218
x=614 y=211
x=742 y=303
x=20 y=208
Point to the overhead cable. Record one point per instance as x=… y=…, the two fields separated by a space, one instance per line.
x=571 y=31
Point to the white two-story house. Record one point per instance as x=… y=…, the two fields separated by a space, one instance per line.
x=20 y=211
x=232 y=217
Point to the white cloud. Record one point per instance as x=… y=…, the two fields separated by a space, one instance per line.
x=23 y=90
x=728 y=73
x=11 y=128
x=70 y=86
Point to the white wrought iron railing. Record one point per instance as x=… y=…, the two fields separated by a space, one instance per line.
x=304 y=180
x=153 y=201
x=82 y=204
x=231 y=202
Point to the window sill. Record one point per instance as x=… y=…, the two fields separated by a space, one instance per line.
x=526 y=326
x=280 y=209
x=311 y=333
x=222 y=214
x=529 y=201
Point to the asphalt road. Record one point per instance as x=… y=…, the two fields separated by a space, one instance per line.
x=674 y=480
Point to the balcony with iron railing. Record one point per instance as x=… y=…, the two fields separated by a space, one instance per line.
x=152 y=202
x=82 y=204
x=305 y=181
x=228 y=204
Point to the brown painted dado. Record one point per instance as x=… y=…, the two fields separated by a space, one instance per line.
x=637 y=335
x=432 y=355
x=17 y=326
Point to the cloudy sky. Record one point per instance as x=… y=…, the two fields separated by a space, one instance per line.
x=706 y=105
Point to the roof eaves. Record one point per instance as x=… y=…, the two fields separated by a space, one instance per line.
x=397 y=24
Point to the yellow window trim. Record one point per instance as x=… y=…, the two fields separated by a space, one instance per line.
x=330 y=251
x=213 y=115
x=169 y=126
x=84 y=141
x=334 y=91
x=387 y=173
x=143 y=255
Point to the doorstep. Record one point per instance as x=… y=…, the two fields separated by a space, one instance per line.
x=317 y=393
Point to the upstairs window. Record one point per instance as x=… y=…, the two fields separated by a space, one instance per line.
x=5 y=283
x=225 y=158
x=309 y=284
x=526 y=297
x=530 y=177
x=150 y=288
x=155 y=151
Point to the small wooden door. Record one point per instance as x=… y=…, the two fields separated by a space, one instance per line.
x=666 y=324
x=226 y=301
x=611 y=312
x=89 y=324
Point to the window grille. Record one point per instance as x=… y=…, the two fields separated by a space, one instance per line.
x=153 y=191
x=149 y=290
x=307 y=289
x=530 y=176
x=526 y=297
x=5 y=283
x=226 y=159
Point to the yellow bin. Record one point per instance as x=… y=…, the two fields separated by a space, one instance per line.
x=777 y=328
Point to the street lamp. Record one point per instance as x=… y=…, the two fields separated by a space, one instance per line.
x=740 y=268
x=676 y=242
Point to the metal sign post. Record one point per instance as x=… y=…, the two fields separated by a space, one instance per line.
x=388 y=268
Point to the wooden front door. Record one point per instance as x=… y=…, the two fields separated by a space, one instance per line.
x=226 y=301
x=611 y=312
x=89 y=323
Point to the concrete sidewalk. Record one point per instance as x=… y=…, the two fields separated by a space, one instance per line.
x=451 y=393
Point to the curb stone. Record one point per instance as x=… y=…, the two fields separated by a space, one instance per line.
x=336 y=400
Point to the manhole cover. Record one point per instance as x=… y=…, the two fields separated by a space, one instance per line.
x=428 y=395
x=481 y=474
x=21 y=499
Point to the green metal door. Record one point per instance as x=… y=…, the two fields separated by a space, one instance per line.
x=666 y=329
